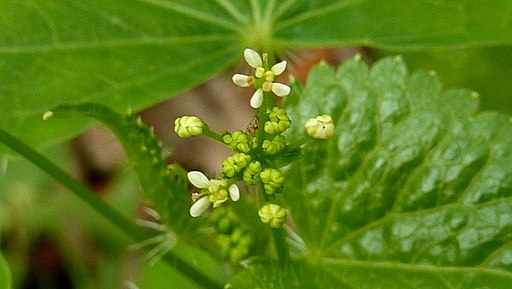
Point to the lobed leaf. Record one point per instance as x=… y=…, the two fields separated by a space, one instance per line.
x=413 y=191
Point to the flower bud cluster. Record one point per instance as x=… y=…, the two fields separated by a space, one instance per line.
x=235 y=241
x=250 y=163
x=258 y=153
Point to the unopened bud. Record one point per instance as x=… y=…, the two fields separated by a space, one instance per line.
x=272 y=181
x=320 y=127
x=272 y=214
x=188 y=126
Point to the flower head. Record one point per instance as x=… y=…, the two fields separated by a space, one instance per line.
x=320 y=127
x=263 y=78
x=214 y=192
x=188 y=126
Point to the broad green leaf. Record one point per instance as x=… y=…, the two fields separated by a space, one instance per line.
x=485 y=70
x=133 y=54
x=5 y=274
x=394 y=23
x=413 y=191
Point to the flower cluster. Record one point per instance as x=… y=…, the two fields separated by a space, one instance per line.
x=258 y=153
x=263 y=77
x=213 y=192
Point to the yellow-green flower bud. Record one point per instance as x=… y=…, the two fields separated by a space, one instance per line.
x=320 y=127
x=252 y=172
x=188 y=126
x=234 y=164
x=272 y=214
x=278 y=121
x=238 y=141
x=277 y=144
x=272 y=181
x=218 y=196
x=238 y=253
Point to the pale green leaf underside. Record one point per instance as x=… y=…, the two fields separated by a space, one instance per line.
x=413 y=191
x=135 y=53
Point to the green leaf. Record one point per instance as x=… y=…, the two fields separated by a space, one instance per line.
x=133 y=54
x=485 y=70
x=394 y=23
x=161 y=185
x=413 y=191
x=5 y=274
x=121 y=53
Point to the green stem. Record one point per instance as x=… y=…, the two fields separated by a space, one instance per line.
x=278 y=236
x=103 y=208
x=211 y=134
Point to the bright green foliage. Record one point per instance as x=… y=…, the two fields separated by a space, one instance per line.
x=162 y=186
x=126 y=53
x=414 y=190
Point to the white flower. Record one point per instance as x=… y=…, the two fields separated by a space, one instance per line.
x=214 y=192
x=263 y=79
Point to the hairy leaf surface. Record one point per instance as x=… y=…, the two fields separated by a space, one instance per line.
x=162 y=185
x=413 y=191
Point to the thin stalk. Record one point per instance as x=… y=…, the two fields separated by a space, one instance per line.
x=278 y=236
x=213 y=135
x=103 y=208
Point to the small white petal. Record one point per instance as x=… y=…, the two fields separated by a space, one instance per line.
x=241 y=80
x=257 y=98
x=253 y=58
x=279 y=68
x=198 y=179
x=234 y=193
x=280 y=89
x=199 y=207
